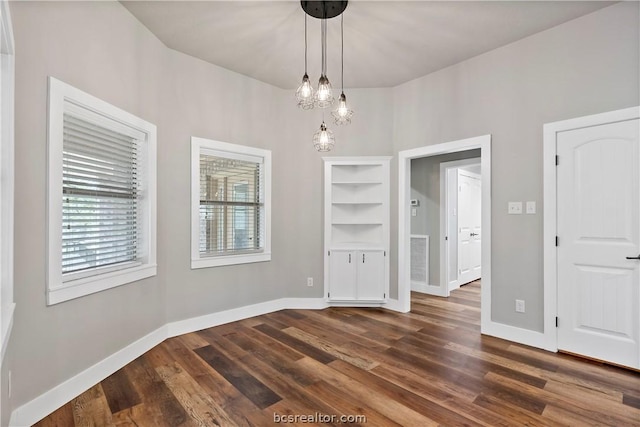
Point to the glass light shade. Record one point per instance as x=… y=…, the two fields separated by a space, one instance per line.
x=324 y=95
x=342 y=115
x=323 y=139
x=304 y=94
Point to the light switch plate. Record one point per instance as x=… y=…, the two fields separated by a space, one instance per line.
x=531 y=207
x=515 y=208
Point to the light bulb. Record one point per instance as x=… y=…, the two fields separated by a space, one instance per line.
x=306 y=89
x=342 y=115
x=324 y=95
x=304 y=94
x=323 y=139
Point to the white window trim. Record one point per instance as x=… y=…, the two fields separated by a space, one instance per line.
x=199 y=145
x=59 y=289
x=7 y=169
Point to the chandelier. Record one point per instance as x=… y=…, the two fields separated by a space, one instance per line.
x=307 y=98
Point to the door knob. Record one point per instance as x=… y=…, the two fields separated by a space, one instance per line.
x=474 y=234
x=633 y=257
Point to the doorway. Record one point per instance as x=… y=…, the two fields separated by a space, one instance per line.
x=429 y=241
x=460 y=220
x=403 y=302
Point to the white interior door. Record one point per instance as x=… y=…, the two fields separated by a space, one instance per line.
x=469 y=227
x=598 y=207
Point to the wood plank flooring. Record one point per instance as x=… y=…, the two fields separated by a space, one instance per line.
x=429 y=367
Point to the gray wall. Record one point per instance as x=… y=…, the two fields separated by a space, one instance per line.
x=100 y=48
x=568 y=71
x=586 y=66
x=425 y=186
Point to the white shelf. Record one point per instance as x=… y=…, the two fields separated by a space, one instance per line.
x=356 y=246
x=356 y=203
x=356 y=220
x=356 y=183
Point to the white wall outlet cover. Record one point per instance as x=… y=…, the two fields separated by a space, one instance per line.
x=414 y=212
x=531 y=207
x=514 y=208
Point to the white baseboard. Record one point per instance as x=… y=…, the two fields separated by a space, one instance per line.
x=182 y=327
x=7 y=327
x=186 y=326
x=396 y=305
x=38 y=408
x=424 y=288
x=518 y=335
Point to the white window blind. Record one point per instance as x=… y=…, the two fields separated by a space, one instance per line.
x=101 y=193
x=231 y=204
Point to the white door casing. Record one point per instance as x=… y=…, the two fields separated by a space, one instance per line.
x=451 y=230
x=598 y=203
x=469 y=227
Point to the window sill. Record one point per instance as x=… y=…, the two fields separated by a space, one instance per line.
x=229 y=260
x=78 y=288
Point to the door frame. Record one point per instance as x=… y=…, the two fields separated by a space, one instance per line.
x=403 y=303
x=444 y=215
x=550 y=228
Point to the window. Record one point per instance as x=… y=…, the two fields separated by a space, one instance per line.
x=101 y=197
x=230 y=204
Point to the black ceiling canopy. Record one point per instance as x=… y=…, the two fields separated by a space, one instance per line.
x=324 y=9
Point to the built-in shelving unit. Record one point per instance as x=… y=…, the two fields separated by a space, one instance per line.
x=356 y=230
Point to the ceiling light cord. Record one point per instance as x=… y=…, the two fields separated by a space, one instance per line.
x=323 y=37
x=305 y=43
x=342 y=52
x=342 y=114
x=305 y=93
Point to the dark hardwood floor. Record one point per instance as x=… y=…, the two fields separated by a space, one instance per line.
x=426 y=368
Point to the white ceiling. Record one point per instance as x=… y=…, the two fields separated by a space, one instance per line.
x=386 y=43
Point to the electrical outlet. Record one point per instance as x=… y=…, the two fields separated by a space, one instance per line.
x=414 y=212
x=519 y=306
x=309 y=281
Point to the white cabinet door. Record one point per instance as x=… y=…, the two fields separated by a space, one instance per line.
x=370 y=275
x=342 y=275
x=599 y=242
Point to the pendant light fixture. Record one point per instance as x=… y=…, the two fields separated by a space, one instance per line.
x=304 y=94
x=323 y=139
x=342 y=115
